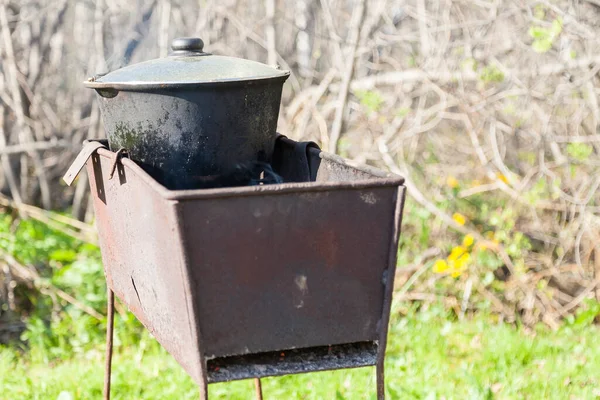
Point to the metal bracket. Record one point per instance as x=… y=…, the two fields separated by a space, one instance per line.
x=86 y=152
x=116 y=158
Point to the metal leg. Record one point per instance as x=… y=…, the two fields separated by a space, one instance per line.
x=203 y=392
x=258 y=387
x=379 y=372
x=109 y=343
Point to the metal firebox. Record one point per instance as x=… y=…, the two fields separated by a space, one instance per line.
x=255 y=281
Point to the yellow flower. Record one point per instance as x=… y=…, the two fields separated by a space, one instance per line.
x=440 y=267
x=502 y=177
x=459 y=218
x=456 y=253
x=458 y=260
x=468 y=240
x=456 y=263
x=461 y=262
x=451 y=181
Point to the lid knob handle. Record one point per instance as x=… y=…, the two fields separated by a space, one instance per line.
x=187 y=45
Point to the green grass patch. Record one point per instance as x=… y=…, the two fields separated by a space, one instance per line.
x=430 y=356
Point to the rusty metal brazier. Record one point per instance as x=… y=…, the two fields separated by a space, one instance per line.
x=191 y=115
x=254 y=281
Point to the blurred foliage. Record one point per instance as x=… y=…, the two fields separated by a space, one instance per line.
x=370 y=99
x=431 y=355
x=55 y=328
x=491 y=74
x=579 y=151
x=495 y=123
x=544 y=37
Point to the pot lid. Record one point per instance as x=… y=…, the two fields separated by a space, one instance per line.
x=186 y=65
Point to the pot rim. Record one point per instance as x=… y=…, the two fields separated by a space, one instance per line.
x=138 y=86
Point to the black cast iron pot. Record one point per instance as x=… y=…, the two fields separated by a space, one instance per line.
x=192 y=117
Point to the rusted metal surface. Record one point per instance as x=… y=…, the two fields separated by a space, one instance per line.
x=258 y=389
x=389 y=275
x=242 y=272
x=290 y=270
x=143 y=258
x=78 y=164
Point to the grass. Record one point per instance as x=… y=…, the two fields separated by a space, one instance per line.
x=430 y=356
